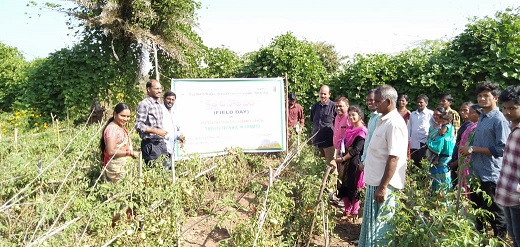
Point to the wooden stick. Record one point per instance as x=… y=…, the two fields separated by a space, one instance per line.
x=323 y=184
x=15 y=137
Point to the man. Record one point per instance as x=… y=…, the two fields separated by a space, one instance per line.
x=486 y=155
x=322 y=116
x=149 y=124
x=170 y=123
x=508 y=186
x=445 y=102
x=418 y=128
x=372 y=123
x=341 y=122
x=296 y=118
x=385 y=169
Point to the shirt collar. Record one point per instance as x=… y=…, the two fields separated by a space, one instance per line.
x=158 y=101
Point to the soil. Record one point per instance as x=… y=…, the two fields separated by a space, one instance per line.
x=205 y=231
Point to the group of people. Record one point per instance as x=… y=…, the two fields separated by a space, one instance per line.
x=479 y=141
x=156 y=126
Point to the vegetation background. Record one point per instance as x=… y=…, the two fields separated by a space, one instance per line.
x=49 y=193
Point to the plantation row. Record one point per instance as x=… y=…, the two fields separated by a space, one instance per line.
x=52 y=194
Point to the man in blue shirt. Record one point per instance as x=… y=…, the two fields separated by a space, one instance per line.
x=323 y=114
x=486 y=155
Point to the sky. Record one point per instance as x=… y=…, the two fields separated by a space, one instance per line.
x=352 y=26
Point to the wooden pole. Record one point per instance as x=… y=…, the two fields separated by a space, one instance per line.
x=15 y=137
x=156 y=61
x=286 y=110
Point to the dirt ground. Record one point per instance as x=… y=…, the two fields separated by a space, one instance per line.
x=204 y=230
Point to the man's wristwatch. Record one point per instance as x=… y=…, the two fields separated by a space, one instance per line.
x=470 y=150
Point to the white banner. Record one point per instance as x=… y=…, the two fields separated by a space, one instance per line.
x=215 y=114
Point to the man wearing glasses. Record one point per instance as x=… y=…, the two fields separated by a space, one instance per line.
x=149 y=124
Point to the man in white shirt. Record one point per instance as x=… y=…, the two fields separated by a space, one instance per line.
x=385 y=169
x=169 y=122
x=418 y=127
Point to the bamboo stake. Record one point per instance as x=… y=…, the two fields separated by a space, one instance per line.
x=15 y=138
x=320 y=196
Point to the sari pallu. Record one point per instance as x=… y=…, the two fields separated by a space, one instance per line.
x=351 y=177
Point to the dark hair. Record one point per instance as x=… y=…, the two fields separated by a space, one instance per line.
x=170 y=93
x=467 y=103
x=402 y=96
x=447 y=97
x=341 y=98
x=423 y=97
x=359 y=111
x=511 y=93
x=477 y=108
x=494 y=88
x=149 y=83
x=447 y=116
x=440 y=109
x=291 y=96
x=118 y=109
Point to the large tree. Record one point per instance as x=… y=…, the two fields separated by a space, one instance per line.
x=141 y=26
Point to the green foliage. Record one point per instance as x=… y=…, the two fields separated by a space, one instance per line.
x=427 y=219
x=13 y=74
x=287 y=54
x=69 y=81
x=221 y=62
x=328 y=56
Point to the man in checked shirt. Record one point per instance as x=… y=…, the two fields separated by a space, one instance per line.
x=149 y=124
x=508 y=187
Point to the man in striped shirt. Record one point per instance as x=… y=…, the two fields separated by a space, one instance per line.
x=486 y=155
x=508 y=186
x=149 y=124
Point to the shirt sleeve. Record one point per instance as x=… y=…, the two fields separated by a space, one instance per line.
x=140 y=119
x=301 y=116
x=502 y=132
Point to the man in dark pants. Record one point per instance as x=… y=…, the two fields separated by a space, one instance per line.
x=486 y=155
x=149 y=124
x=418 y=127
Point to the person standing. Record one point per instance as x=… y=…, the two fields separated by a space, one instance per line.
x=508 y=187
x=322 y=117
x=464 y=116
x=384 y=168
x=116 y=145
x=295 y=119
x=487 y=154
x=372 y=122
x=418 y=127
x=350 y=159
x=402 y=102
x=149 y=124
x=170 y=123
x=446 y=101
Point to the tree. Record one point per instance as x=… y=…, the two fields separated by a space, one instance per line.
x=12 y=75
x=328 y=56
x=139 y=25
x=298 y=59
x=221 y=62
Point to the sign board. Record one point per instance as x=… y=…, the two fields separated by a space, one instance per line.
x=217 y=114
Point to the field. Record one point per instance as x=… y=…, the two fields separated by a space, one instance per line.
x=52 y=194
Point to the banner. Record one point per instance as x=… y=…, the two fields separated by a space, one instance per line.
x=217 y=114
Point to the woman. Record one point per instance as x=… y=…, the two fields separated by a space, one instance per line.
x=350 y=158
x=464 y=116
x=466 y=140
x=441 y=141
x=116 y=145
x=402 y=102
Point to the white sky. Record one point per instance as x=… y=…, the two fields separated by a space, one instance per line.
x=352 y=26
